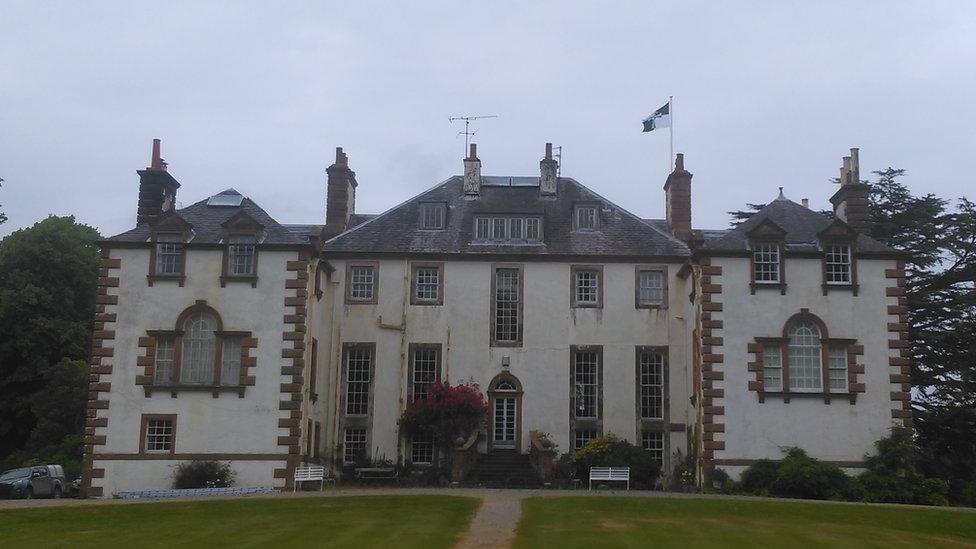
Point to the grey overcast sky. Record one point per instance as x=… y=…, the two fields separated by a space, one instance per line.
x=256 y=96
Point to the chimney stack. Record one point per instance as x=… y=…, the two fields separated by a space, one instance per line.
x=547 y=173
x=851 y=201
x=806 y=203
x=157 y=189
x=472 y=172
x=677 y=191
x=340 y=195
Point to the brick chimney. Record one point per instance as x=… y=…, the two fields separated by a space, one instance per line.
x=340 y=199
x=157 y=189
x=851 y=200
x=677 y=191
x=547 y=173
x=472 y=172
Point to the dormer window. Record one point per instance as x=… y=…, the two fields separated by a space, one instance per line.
x=240 y=256
x=766 y=263
x=585 y=217
x=509 y=229
x=838 y=264
x=169 y=255
x=432 y=216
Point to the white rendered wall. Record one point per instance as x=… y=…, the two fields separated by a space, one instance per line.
x=461 y=325
x=205 y=425
x=838 y=431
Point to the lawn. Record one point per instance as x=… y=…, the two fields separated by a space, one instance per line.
x=367 y=521
x=632 y=522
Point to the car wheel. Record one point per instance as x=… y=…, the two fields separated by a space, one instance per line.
x=57 y=492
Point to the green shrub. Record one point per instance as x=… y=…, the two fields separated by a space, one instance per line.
x=759 y=477
x=722 y=482
x=203 y=474
x=610 y=451
x=801 y=476
x=892 y=476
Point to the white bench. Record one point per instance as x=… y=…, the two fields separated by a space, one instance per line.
x=621 y=474
x=305 y=473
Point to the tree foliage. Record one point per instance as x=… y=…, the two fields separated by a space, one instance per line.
x=47 y=299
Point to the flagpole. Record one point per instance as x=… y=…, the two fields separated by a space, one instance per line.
x=671 y=127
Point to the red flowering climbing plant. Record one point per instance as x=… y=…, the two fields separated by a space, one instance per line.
x=449 y=412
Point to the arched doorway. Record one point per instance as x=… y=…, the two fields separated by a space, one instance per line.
x=505 y=396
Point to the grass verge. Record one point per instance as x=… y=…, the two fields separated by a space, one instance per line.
x=640 y=522
x=361 y=521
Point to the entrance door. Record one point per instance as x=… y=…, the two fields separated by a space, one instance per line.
x=504 y=422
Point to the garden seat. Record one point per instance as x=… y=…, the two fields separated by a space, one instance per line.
x=621 y=474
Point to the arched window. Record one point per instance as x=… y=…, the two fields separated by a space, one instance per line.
x=505 y=386
x=806 y=370
x=199 y=349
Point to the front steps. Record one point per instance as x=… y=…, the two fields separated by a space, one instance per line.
x=504 y=469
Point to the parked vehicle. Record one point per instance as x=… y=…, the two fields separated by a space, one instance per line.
x=33 y=482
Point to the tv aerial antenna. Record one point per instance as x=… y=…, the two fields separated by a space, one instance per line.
x=467 y=133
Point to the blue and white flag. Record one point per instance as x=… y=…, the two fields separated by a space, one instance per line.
x=660 y=119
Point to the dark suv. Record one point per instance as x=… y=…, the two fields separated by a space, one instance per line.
x=33 y=482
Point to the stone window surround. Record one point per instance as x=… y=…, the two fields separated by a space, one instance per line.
x=414 y=266
x=348 y=282
x=356 y=421
x=663 y=269
x=852 y=286
x=758 y=285
x=521 y=304
x=573 y=296
x=661 y=424
x=854 y=350
x=144 y=425
x=153 y=276
x=585 y=424
x=147 y=381
x=411 y=348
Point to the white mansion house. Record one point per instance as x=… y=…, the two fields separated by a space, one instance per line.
x=223 y=334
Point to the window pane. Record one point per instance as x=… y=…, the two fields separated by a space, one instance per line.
x=651 y=289
x=586 y=383
x=507 y=314
x=424 y=372
x=498 y=225
x=199 y=343
x=362 y=283
x=482 y=228
x=159 y=435
x=354 y=446
x=651 y=383
x=428 y=283
x=164 y=361
x=169 y=257
x=586 y=217
x=837 y=365
x=433 y=216
x=838 y=264
x=805 y=372
x=422 y=449
x=532 y=231
x=587 y=287
x=766 y=262
x=358 y=361
x=653 y=442
x=230 y=358
x=582 y=436
x=240 y=255
x=772 y=368
x=515 y=225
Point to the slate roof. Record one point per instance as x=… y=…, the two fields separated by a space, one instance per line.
x=398 y=231
x=206 y=221
x=800 y=223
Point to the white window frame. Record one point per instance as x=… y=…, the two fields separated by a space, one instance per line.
x=646 y=292
x=354 y=438
x=767 y=254
x=772 y=367
x=433 y=216
x=805 y=356
x=837 y=368
x=586 y=384
x=582 y=436
x=160 y=435
x=651 y=385
x=169 y=254
x=838 y=268
x=586 y=287
x=165 y=360
x=361 y=286
x=241 y=256
x=586 y=217
x=653 y=442
x=358 y=361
